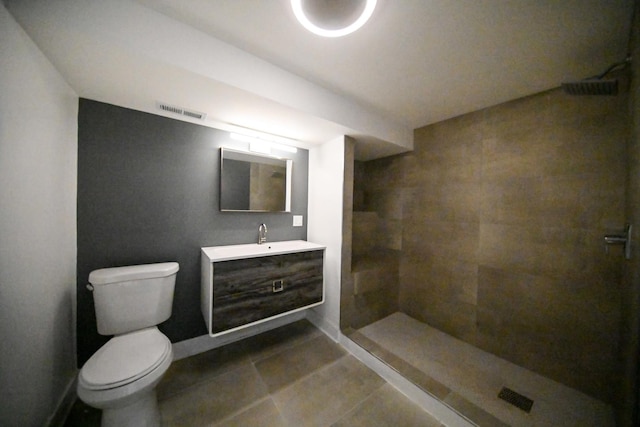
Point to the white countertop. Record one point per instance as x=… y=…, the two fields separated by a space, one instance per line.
x=253 y=250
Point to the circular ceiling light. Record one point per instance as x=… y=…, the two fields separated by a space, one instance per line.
x=333 y=18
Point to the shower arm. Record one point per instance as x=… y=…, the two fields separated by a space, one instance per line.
x=615 y=66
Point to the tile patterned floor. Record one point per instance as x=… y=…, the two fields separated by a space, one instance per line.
x=469 y=379
x=290 y=376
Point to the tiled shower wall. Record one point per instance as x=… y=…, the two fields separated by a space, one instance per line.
x=503 y=213
x=370 y=290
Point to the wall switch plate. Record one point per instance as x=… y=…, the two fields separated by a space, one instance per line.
x=297 y=220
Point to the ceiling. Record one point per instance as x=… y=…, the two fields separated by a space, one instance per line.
x=416 y=62
x=422 y=61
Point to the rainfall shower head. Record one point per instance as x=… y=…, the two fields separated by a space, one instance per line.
x=597 y=85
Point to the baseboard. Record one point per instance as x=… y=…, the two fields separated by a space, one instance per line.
x=63 y=408
x=204 y=343
x=331 y=330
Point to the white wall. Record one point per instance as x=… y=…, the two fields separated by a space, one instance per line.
x=123 y=53
x=326 y=182
x=38 y=155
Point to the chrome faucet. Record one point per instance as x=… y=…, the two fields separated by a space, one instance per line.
x=262 y=234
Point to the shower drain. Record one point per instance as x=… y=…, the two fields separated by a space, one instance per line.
x=516 y=399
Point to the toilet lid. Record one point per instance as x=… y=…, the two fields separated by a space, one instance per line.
x=125 y=358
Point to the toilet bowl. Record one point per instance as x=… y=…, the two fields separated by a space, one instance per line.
x=120 y=378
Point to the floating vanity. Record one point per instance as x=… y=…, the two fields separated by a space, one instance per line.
x=243 y=285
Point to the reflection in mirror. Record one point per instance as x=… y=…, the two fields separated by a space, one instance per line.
x=254 y=182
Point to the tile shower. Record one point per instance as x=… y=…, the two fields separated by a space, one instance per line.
x=492 y=233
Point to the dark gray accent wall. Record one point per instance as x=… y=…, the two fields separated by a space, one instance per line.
x=148 y=191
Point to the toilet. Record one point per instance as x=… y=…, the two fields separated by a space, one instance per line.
x=120 y=378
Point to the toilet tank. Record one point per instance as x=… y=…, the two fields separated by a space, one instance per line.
x=134 y=297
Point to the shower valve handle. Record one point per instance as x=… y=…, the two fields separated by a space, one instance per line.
x=620 y=239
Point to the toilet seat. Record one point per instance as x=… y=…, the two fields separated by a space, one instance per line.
x=125 y=358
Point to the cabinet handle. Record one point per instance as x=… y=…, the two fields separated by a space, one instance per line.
x=278 y=286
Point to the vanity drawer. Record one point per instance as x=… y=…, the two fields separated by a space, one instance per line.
x=252 y=289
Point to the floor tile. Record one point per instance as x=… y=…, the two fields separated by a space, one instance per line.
x=313 y=382
x=185 y=373
x=212 y=401
x=473 y=412
x=285 y=367
x=263 y=414
x=82 y=415
x=276 y=340
x=475 y=378
x=323 y=397
x=407 y=370
x=387 y=407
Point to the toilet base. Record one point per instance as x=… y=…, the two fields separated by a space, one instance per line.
x=144 y=412
x=131 y=404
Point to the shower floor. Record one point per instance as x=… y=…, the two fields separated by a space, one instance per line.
x=469 y=379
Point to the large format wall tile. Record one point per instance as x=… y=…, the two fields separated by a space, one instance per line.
x=503 y=216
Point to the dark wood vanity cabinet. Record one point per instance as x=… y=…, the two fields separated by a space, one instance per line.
x=250 y=290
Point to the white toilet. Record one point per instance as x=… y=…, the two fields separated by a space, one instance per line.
x=120 y=378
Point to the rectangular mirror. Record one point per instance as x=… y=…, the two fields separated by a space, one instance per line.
x=253 y=182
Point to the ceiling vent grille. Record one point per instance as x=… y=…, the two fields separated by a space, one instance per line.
x=181 y=111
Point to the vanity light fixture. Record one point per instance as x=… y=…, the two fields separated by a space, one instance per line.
x=333 y=18
x=263 y=142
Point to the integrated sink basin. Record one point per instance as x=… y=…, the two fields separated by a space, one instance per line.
x=253 y=250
